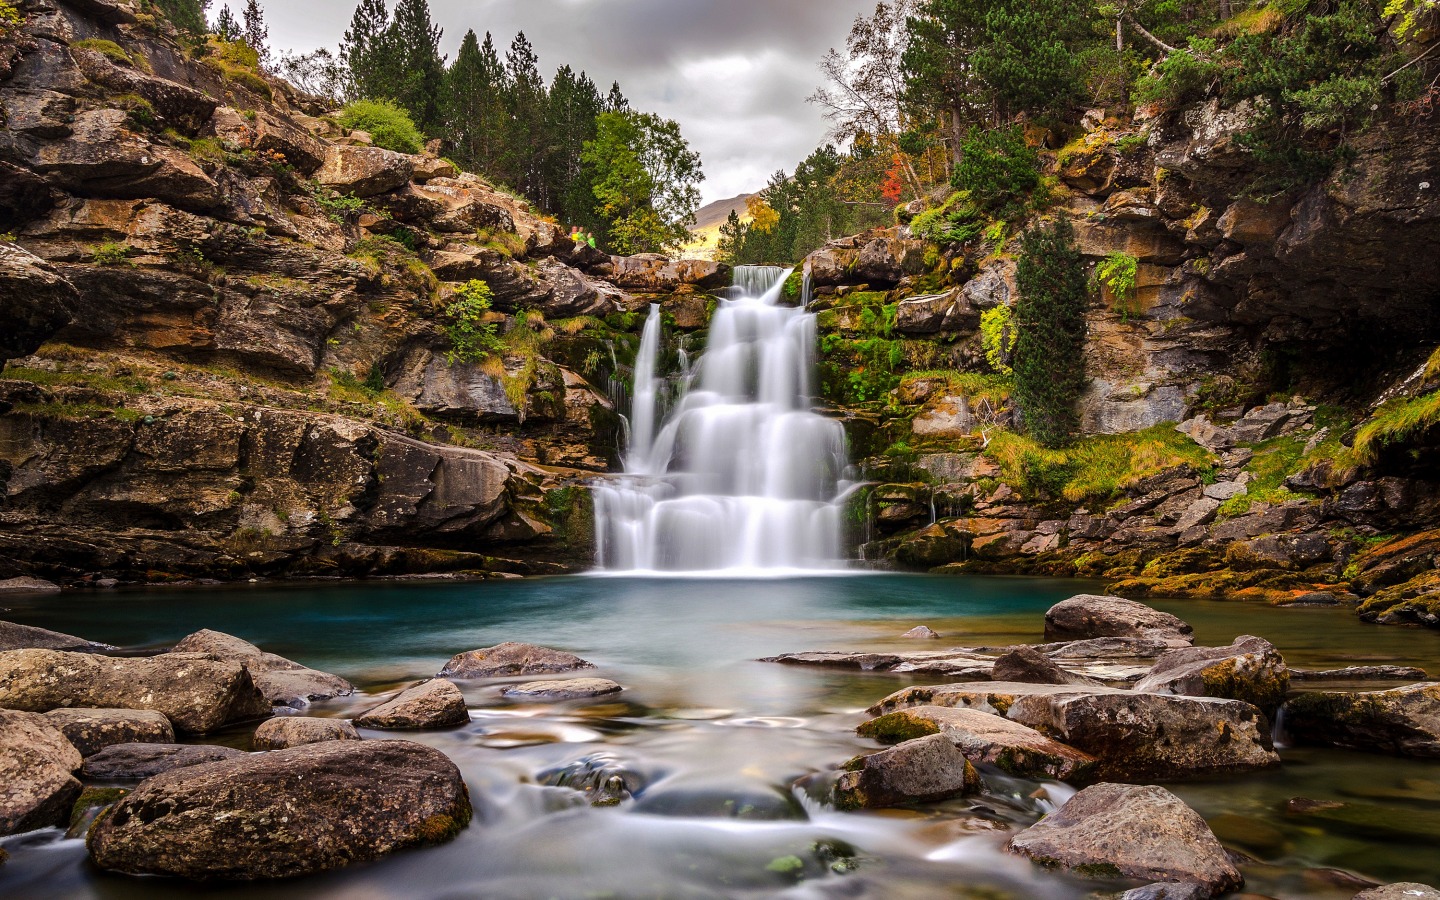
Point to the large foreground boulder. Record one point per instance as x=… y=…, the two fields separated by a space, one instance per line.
x=14 y=636
x=512 y=658
x=1135 y=736
x=1404 y=721
x=916 y=771
x=284 y=682
x=36 y=762
x=297 y=731
x=1095 y=616
x=92 y=730
x=436 y=703
x=125 y=761
x=197 y=692
x=1250 y=669
x=1130 y=831
x=985 y=738
x=287 y=813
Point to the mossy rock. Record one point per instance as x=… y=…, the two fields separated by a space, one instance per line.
x=91 y=803
x=895 y=728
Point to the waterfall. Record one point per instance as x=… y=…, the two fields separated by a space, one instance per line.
x=742 y=474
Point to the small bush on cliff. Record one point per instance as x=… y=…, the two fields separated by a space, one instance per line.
x=999 y=170
x=1049 y=355
x=239 y=63
x=388 y=125
x=1118 y=271
x=10 y=17
x=1097 y=468
x=111 y=254
x=113 y=52
x=472 y=339
x=997 y=336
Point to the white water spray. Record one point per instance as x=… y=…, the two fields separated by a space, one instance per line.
x=742 y=475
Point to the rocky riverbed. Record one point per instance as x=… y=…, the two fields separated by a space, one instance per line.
x=1073 y=759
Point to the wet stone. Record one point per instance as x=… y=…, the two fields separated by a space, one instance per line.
x=92 y=730
x=436 y=703
x=512 y=658
x=571 y=689
x=296 y=731
x=126 y=761
x=921 y=770
x=1407 y=890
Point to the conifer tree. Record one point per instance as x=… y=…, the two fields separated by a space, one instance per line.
x=525 y=104
x=368 y=53
x=571 y=108
x=415 y=45
x=253 y=29
x=1049 y=355
x=226 y=28
x=473 y=104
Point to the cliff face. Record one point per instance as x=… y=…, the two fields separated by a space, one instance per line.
x=1280 y=331
x=237 y=315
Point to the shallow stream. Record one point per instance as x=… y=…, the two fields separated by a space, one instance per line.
x=710 y=743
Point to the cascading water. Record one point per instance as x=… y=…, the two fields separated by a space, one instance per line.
x=741 y=474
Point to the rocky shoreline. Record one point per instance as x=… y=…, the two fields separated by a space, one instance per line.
x=1116 y=702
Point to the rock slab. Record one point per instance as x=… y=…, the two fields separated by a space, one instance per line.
x=124 y=761
x=14 y=636
x=569 y=689
x=1403 y=721
x=1250 y=669
x=37 y=788
x=917 y=771
x=512 y=658
x=1029 y=666
x=436 y=703
x=297 y=731
x=198 y=693
x=1130 y=831
x=283 y=814
x=985 y=738
x=284 y=682
x=92 y=730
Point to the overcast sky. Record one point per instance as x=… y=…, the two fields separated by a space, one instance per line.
x=733 y=73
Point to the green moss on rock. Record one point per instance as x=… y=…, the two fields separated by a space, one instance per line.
x=897 y=727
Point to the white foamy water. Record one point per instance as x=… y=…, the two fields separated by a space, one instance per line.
x=741 y=476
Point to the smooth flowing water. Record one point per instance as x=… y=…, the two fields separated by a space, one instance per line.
x=723 y=757
x=742 y=476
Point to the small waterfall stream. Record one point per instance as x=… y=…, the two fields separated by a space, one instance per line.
x=741 y=475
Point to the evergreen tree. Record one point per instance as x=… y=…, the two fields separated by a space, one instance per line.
x=473 y=104
x=571 y=109
x=253 y=29
x=615 y=101
x=1028 y=57
x=186 y=15
x=415 y=44
x=1049 y=354
x=368 y=53
x=226 y=28
x=525 y=105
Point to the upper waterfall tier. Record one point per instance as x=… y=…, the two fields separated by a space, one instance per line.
x=741 y=473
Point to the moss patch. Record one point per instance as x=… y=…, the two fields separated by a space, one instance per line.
x=897 y=727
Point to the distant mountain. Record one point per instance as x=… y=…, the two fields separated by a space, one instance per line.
x=708 y=220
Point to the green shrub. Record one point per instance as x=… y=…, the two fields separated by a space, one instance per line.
x=999 y=170
x=1396 y=422
x=186 y=15
x=955 y=221
x=1118 y=271
x=1049 y=356
x=238 y=62
x=140 y=114
x=110 y=254
x=108 y=49
x=997 y=336
x=1180 y=78
x=10 y=17
x=388 y=125
x=472 y=339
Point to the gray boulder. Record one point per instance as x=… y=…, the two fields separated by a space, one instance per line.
x=284 y=682
x=1095 y=616
x=37 y=788
x=1250 y=669
x=436 y=703
x=92 y=730
x=921 y=770
x=296 y=731
x=985 y=738
x=197 y=692
x=1029 y=666
x=1130 y=831
x=512 y=658
x=28 y=637
x=284 y=814
x=1404 y=721
x=569 y=689
x=125 y=761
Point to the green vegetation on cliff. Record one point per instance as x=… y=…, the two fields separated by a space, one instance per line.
x=1049 y=355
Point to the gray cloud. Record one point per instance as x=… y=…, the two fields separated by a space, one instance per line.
x=733 y=73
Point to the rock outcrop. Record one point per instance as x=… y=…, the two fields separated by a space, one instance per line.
x=37 y=786
x=1091 y=616
x=1250 y=669
x=1403 y=721
x=919 y=770
x=282 y=814
x=986 y=739
x=284 y=682
x=197 y=692
x=28 y=637
x=92 y=730
x=1130 y=831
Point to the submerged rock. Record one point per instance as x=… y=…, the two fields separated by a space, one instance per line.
x=1360 y=673
x=985 y=738
x=1029 y=666
x=1094 y=616
x=1405 y=890
x=511 y=658
x=144 y=760
x=571 y=689
x=283 y=814
x=1130 y=831
x=92 y=730
x=197 y=692
x=1250 y=669
x=296 y=731
x=14 y=636
x=284 y=682
x=1168 y=891
x=1404 y=721
x=37 y=788
x=920 y=770
x=436 y=703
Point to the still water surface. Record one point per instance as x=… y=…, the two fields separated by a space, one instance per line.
x=711 y=742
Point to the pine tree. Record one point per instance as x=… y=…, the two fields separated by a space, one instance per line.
x=253 y=29
x=473 y=105
x=226 y=28
x=415 y=44
x=368 y=53
x=1049 y=355
x=525 y=104
x=571 y=108
x=615 y=101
